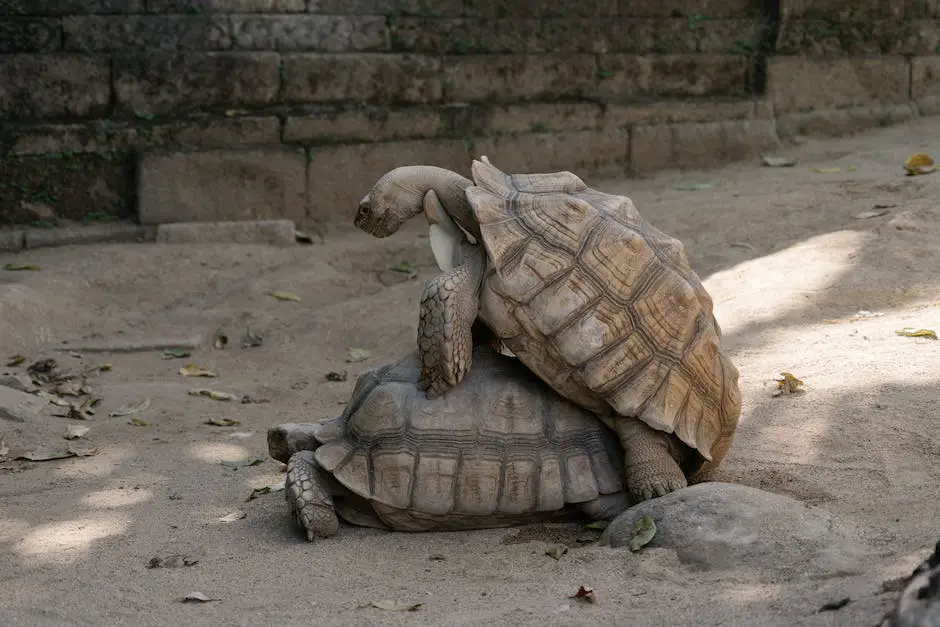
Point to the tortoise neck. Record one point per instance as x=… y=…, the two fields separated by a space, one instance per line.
x=450 y=188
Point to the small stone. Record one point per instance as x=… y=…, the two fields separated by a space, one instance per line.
x=19 y=382
x=18 y=406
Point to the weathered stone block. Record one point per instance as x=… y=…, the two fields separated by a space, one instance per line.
x=925 y=77
x=319 y=33
x=541 y=117
x=105 y=135
x=51 y=85
x=505 y=78
x=363 y=124
x=227 y=6
x=161 y=83
x=871 y=37
x=167 y=33
x=271 y=232
x=222 y=185
x=30 y=35
x=66 y=7
x=588 y=153
x=840 y=10
x=802 y=84
x=838 y=122
x=11 y=240
x=464 y=36
x=679 y=112
x=88 y=234
x=698 y=145
x=630 y=35
x=929 y=105
x=340 y=175
x=625 y=77
x=50 y=186
x=687 y=8
x=421 y=8
x=539 y=8
x=376 y=78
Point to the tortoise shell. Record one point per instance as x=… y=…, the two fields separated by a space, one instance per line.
x=603 y=306
x=501 y=444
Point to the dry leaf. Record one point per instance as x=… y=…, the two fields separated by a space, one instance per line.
x=336 y=376
x=693 y=186
x=52 y=398
x=127 y=410
x=396 y=606
x=220 y=341
x=222 y=422
x=175 y=353
x=827 y=170
x=76 y=431
x=919 y=164
x=778 y=162
x=192 y=370
x=644 y=530
x=71 y=388
x=585 y=593
x=235 y=465
x=172 y=561
x=789 y=384
x=268 y=489
x=286 y=296
x=82 y=449
x=44 y=454
x=357 y=355
x=405 y=267
x=912 y=332
x=598 y=524
x=20 y=267
x=557 y=551
x=252 y=340
x=197 y=597
x=236 y=515
x=213 y=394
x=137 y=422
x=872 y=213
x=15 y=360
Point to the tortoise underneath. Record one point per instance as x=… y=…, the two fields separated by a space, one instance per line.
x=501 y=449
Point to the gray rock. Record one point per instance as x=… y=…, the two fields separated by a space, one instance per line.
x=721 y=526
x=19 y=382
x=11 y=241
x=89 y=234
x=18 y=406
x=919 y=602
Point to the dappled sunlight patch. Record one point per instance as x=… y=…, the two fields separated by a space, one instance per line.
x=751 y=593
x=763 y=289
x=106 y=462
x=67 y=540
x=115 y=498
x=215 y=452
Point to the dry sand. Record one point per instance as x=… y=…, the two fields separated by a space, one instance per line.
x=780 y=250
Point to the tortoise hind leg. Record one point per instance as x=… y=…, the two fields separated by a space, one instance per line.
x=652 y=460
x=307 y=489
x=449 y=306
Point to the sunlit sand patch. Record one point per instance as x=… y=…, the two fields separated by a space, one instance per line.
x=114 y=498
x=781 y=282
x=11 y=529
x=68 y=540
x=106 y=462
x=214 y=452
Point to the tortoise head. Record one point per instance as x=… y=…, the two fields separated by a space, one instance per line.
x=395 y=198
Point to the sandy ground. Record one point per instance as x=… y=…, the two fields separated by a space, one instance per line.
x=781 y=251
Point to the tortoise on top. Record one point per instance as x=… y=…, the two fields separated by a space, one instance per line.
x=597 y=302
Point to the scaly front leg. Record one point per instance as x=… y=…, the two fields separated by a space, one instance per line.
x=448 y=309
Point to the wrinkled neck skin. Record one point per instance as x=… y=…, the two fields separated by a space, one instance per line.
x=399 y=196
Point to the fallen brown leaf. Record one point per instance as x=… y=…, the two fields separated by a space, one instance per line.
x=585 y=593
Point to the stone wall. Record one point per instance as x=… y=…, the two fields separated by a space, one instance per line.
x=224 y=109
